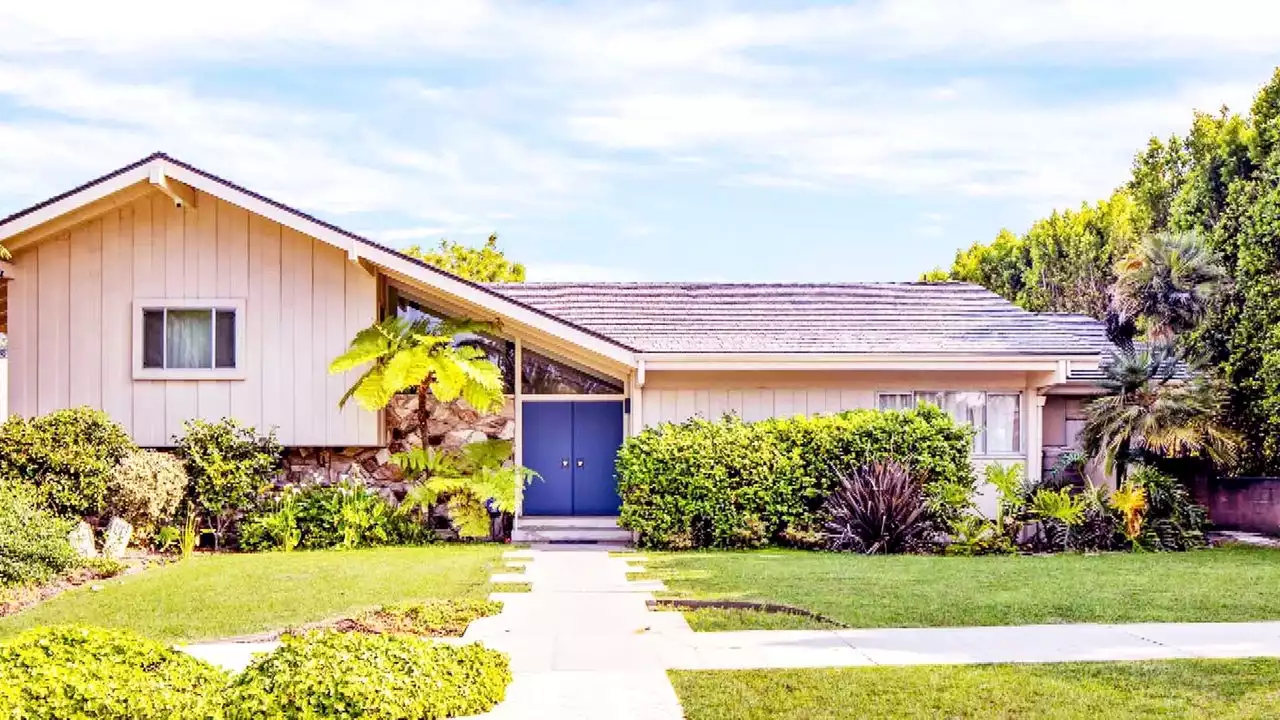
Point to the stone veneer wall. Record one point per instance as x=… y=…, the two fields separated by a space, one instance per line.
x=450 y=427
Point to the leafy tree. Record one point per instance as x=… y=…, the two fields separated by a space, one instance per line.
x=423 y=354
x=483 y=264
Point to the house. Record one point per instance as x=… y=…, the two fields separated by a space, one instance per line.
x=160 y=292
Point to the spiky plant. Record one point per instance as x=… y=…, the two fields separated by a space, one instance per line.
x=403 y=354
x=877 y=508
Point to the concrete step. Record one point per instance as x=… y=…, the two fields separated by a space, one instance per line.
x=568 y=521
x=611 y=535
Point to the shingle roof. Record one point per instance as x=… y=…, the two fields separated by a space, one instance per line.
x=811 y=318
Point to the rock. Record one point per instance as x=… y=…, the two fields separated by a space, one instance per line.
x=508 y=431
x=117 y=537
x=81 y=539
x=458 y=438
x=382 y=456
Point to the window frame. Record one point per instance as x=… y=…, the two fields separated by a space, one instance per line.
x=984 y=431
x=235 y=305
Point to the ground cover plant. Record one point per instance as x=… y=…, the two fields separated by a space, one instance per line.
x=225 y=595
x=433 y=618
x=935 y=591
x=1227 y=689
x=326 y=674
x=55 y=673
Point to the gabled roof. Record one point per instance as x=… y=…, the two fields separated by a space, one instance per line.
x=871 y=318
x=159 y=166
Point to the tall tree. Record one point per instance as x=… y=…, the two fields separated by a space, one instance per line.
x=1166 y=284
x=482 y=264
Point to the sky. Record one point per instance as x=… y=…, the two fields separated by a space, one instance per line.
x=706 y=141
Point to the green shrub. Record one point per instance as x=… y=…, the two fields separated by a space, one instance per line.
x=147 y=487
x=70 y=672
x=1173 y=519
x=434 y=618
x=229 y=464
x=68 y=455
x=347 y=515
x=733 y=484
x=329 y=674
x=33 y=541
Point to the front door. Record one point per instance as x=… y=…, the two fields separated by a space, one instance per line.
x=573 y=446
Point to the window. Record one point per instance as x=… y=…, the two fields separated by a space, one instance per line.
x=997 y=417
x=540 y=375
x=177 y=339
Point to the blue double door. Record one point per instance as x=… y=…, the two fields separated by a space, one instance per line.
x=573 y=446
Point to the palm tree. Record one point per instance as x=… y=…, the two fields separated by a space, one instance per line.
x=1148 y=410
x=1167 y=280
x=422 y=354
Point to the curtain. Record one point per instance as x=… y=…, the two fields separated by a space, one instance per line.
x=1004 y=424
x=189 y=339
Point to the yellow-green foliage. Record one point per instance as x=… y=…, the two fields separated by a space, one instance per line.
x=727 y=483
x=147 y=486
x=434 y=618
x=329 y=674
x=72 y=672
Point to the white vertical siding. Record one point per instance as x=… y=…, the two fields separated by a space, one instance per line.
x=71 y=319
x=677 y=405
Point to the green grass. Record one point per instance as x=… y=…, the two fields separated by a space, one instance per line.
x=1225 y=689
x=226 y=595
x=1234 y=583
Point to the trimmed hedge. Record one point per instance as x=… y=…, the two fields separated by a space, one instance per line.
x=71 y=672
x=731 y=484
x=327 y=674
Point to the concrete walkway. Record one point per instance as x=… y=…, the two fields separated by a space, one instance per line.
x=584 y=644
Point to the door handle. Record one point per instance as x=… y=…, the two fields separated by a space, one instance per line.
x=564 y=462
x=581 y=462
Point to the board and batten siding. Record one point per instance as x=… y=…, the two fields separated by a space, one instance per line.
x=71 y=321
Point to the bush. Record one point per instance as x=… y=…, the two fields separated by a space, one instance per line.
x=349 y=675
x=68 y=455
x=147 y=487
x=71 y=672
x=229 y=464
x=33 y=542
x=434 y=618
x=732 y=484
x=878 y=508
x=1173 y=520
x=347 y=515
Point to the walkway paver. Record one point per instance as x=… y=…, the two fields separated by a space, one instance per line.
x=583 y=642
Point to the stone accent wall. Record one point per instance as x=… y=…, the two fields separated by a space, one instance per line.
x=450 y=427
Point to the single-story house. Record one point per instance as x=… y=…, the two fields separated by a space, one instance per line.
x=160 y=292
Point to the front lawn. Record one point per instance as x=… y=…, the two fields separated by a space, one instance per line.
x=1234 y=583
x=1233 y=689
x=225 y=595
